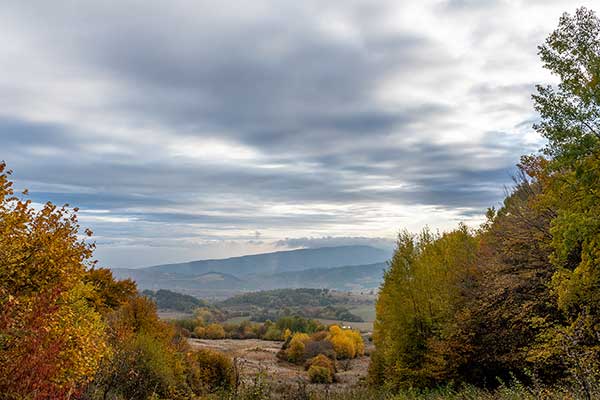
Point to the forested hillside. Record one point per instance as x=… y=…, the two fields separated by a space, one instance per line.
x=518 y=298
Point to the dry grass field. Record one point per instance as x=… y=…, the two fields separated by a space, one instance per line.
x=255 y=356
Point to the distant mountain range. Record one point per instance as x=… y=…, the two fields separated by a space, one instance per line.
x=341 y=267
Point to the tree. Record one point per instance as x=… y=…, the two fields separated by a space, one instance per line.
x=51 y=340
x=570 y=113
x=427 y=283
x=510 y=305
x=571 y=122
x=108 y=293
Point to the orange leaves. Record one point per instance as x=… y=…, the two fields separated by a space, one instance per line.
x=52 y=340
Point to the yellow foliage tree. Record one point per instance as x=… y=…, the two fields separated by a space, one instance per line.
x=347 y=343
x=51 y=340
x=295 y=351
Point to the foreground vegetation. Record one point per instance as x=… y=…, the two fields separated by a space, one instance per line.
x=260 y=390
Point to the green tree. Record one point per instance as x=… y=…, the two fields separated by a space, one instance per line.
x=571 y=122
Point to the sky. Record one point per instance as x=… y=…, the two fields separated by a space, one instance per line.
x=205 y=129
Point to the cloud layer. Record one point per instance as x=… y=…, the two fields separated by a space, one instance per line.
x=192 y=129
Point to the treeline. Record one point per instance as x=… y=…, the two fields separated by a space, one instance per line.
x=204 y=325
x=271 y=305
x=281 y=298
x=518 y=298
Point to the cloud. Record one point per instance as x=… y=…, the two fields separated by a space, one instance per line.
x=193 y=125
x=329 y=241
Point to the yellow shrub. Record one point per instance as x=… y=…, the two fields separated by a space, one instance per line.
x=335 y=330
x=295 y=351
x=200 y=331
x=80 y=358
x=347 y=343
x=213 y=371
x=359 y=344
x=321 y=361
x=343 y=346
x=215 y=331
x=286 y=334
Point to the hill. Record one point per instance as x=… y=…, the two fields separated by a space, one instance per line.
x=342 y=267
x=340 y=278
x=280 y=261
x=168 y=300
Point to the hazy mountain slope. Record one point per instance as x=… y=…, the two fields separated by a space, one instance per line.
x=350 y=266
x=282 y=261
x=347 y=277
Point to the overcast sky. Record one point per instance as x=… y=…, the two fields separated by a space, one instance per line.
x=195 y=129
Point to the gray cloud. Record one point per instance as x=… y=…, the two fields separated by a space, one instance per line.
x=186 y=124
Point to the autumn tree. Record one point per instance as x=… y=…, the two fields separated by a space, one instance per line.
x=422 y=291
x=51 y=339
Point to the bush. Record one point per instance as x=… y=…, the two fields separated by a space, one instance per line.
x=295 y=351
x=343 y=346
x=215 y=331
x=318 y=374
x=313 y=348
x=141 y=365
x=212 y=371
x=200 y=332
x=321 y=361
x=347 y=343
x=357 y=340
x=273 y=334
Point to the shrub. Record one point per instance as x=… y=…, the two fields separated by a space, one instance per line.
x=212 y=371
x=200 y=332
x=318 y=336
x=318 y=374
x=142 y=365
x=295 y=351
x=343 y=346
x=313 y=348
x=215 y=331
x=321 y=361
x=357 y=340
x=346 y=343
x=273 y=334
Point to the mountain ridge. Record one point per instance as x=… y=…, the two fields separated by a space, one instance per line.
x=336 y=267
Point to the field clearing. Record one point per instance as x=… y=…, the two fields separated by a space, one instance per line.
x=255 y=356
x=363 y=327
x=366 y=312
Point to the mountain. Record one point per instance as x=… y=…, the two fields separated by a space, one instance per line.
x=341 y=267
x=281 y=261
x=340 y=278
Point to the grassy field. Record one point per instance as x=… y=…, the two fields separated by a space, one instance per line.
x=361 y=326
x=365 y=311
